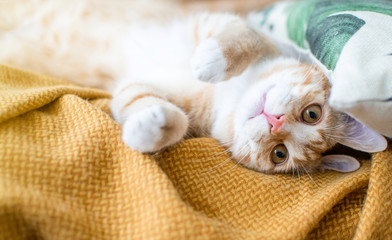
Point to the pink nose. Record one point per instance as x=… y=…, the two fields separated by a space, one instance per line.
x=275 y=121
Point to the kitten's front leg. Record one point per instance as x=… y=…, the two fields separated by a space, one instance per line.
x=150 y=123
x=227 y=46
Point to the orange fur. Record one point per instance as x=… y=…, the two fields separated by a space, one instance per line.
x=138 y=97
x=244 y=51
x=198 y=106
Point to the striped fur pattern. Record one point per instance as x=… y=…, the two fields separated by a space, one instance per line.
x=173 y=76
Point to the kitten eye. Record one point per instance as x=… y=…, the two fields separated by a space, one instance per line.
x=312 y=114
x=279 y=154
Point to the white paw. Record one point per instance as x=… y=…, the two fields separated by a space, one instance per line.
x=208 y=63
x=153 y=128
x=142 y=131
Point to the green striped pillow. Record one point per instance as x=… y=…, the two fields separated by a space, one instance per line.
x=352 y=42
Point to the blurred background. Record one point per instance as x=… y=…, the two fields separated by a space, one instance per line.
x=237 y=6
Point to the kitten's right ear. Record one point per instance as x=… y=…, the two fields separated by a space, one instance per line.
x=360 y=137
x=340 y=163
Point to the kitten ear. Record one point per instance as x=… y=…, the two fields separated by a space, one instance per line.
x=340 y=163
x=359 y=137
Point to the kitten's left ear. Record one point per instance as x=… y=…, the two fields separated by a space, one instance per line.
x=340 y=163
x=359 y=137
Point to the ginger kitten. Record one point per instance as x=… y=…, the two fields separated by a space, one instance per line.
x=207 y=74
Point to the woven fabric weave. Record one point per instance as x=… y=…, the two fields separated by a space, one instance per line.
x=65 y=174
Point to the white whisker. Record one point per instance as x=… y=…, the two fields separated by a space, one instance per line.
x=308 y=173
x=217 y=166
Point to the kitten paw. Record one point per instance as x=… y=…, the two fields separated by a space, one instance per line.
x=154 y=127
x=208 y=63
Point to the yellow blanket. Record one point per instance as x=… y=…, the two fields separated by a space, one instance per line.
x=65 y=174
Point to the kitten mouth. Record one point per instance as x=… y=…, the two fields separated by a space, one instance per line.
x=261 y=104
x=260 y=109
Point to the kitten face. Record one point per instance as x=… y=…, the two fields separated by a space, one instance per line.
x=283 y=123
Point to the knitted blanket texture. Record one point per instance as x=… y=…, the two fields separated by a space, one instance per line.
x=66 y=174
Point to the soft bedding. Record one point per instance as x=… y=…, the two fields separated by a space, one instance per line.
x=65 y=174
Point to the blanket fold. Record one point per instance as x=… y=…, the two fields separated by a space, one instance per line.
x=66 y=174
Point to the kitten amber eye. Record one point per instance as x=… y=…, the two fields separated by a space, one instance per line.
x=279 y=154
x=312 y=114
